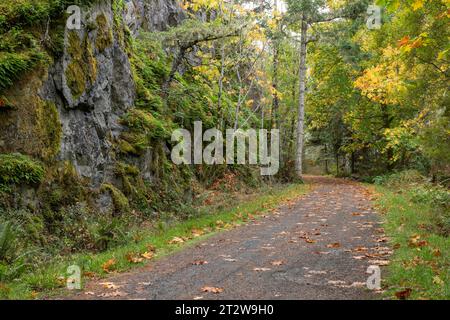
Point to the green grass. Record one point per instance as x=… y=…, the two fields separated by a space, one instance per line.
x=423 y=269
x=47 y=281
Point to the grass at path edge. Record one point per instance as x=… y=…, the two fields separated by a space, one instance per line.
x=51 y=279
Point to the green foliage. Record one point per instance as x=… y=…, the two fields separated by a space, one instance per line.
x=83 y=67
x=13 y=65
x=19 y=169
x=104 y=33
x=121 y=203
x=424 y=268
x=6 y=240
x=402 y=179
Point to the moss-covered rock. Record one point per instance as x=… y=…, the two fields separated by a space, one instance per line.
x=121 y=203
x=50 y=130
x=82 y=69
x=104 y=37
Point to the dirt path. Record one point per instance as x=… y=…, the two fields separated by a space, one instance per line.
x=317 y=248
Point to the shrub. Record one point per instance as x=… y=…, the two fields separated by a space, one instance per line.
x=6 y=240
x=19 y=169
x=439 y=200
x=400 y=179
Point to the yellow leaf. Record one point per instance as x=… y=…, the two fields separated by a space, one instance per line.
x=418 y=4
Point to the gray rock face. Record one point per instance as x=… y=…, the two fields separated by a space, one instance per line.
x=90 y=120
x=161 y=14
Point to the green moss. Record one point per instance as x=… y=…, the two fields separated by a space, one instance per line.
x=121 y=203
x=13 y=65
x=118 y=6
x=126 y=148
x=91 y=62
x=83 y=67
x=75 y=78
x=144 y=121
x=104 y=33
x=19 y=169
x=50 y=129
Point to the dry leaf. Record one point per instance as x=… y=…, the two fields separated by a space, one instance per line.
x=147 y=255
x=436 y=252
x=113 y=294
x=197 y=233
x=110 y=285
x=261 y=269
x=379 y=262
x=132 y=258
x=176 y=240
x=108 y=265
x=212 y=289
x=89 y=274
x=404 y=294
x=199 y=262
x=438 y=281
x=277 y=263
x=334 y=245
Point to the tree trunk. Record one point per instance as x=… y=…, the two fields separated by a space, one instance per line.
x=301 y=100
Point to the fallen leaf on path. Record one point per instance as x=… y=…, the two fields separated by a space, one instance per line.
x=379 y=262
x=334 y=245
x=113 y=294
x=110 y=285
x=310 y=240
x=436 y=252
x=277 y=263
x=416 y=242
x=229 y=260
x=359 y=257
x=317 y=272
x=212 y=289
x=147 y=255
x=197 y=233
x=404 y=294
x=261 y=269
x=176 y=240
x=89 y=293
x=89 y=274
x=199 y=262
x=132 y=258
x=108 y=265
x=336 y=282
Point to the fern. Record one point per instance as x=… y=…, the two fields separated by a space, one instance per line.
x=6 y=239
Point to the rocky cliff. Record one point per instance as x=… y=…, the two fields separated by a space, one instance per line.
x=69 y=109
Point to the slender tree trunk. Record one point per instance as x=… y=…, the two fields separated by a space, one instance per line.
x=301 y=100
x=222 y=73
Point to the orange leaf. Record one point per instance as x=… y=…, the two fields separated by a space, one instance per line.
x=403 y=41
x=108 y=265
x=212 y=289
